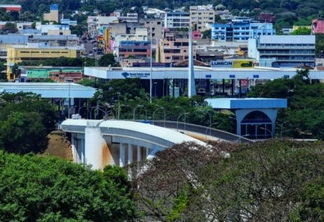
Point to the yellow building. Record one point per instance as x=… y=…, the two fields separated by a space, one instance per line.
x=16 y=55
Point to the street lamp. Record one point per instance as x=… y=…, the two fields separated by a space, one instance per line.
x=267 y=130
x=134 y=111
x=210 y=118
x=164 y=114
x=210 y=129
x=183 y=114
x=281 y=126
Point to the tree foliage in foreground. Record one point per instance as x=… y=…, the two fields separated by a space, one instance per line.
x=269 y=181
x=25 y=121
x=35 y=188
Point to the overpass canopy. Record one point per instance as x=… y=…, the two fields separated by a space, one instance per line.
x=247 y=103
x=50 y=90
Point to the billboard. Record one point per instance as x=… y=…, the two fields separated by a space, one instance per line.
x=236 y=63
x=243 y=64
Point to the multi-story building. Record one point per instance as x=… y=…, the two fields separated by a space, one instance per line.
x=55 y=30
x=154 y=27
x=318 y=26
x=135 y=49
x=239 y=30
x=283 y=50
x=95 y=22
x=174 y=47
x=202 y=15
x=177 y=20
x=53 y=15
x=140 y=35
x=34 y=52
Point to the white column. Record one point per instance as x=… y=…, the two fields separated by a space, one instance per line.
x=147 y=152
x=139 y=157
x=121 y=155
x=130 y=154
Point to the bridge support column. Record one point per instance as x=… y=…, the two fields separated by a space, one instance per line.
x=121 y=155
x=94 y=145
x=130 y=154
x=139 y=155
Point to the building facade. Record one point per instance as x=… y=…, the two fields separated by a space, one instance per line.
x=241 y=30
x=17 y=54
x=177 y=20
x=135 y=49
x=200 y=16
x=53 y=15
x=318 y=26
x=283 y=50
x=174 y=47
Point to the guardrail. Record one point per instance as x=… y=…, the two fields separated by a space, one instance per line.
x=221 y=134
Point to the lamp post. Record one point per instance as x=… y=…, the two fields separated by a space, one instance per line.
x=267 y=130
x=210 y=129
x=281 y=126
x=134 y=111
x=151 y=64
x=97 y=108
x=164 y=114
x=184 y=111
x=183 y=114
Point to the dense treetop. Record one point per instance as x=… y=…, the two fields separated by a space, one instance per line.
x=34 y=188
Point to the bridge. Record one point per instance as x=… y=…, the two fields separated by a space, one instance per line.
x=119 y=142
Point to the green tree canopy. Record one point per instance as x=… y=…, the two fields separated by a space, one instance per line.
x=36 y=188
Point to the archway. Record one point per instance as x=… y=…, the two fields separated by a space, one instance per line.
x=256 y=125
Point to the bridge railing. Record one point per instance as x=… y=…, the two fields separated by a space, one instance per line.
x=181 y=126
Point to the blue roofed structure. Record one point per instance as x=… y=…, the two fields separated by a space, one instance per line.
x=255 y=117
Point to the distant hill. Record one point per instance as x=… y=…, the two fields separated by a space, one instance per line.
x=287 y=12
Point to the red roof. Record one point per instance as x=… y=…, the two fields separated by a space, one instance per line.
x=318 y=26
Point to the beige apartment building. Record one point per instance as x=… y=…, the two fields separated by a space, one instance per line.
x=202 y=15
x=174 y=47
x=53 y=15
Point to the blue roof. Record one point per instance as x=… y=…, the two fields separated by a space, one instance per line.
x=54 y=7
x=13 y=39
x=247 y=103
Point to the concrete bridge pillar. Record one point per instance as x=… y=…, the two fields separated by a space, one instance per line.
x=121 y=155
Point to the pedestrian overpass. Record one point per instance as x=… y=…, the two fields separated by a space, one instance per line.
x=120 y=142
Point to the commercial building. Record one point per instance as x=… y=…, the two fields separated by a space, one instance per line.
x=174 y=47
x=202 y=15
x=32 y=52
x=283 y=50
x=136 y=49
x=241 y=30
x=177 y=20
x=154 y=27
x=53 y=15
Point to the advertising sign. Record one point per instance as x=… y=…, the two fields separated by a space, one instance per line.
x=243 y=64
x=136 y=74
x=232 y=63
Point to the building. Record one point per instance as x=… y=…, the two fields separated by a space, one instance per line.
x=53 y=15
x=55 y=40
x=11 y=8
x=177 y=20
x=200 y=16
x=135 y=49
x=97 y=22
x=9 y=40
x=241 y=30
x=154 y=27
x=68 y=22
x=34 y=51
x=283 y=50
x=318 y=26
x=55 y=30
x=57 y=74
x=139 y=36
x=267 y=17
x=174 y=47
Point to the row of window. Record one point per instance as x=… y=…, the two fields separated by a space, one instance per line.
x=41 y=52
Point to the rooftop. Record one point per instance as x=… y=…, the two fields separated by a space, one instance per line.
x=247 y=103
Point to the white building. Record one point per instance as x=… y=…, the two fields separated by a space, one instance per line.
x=177 y=20
x=283 y=50
x=201 y=16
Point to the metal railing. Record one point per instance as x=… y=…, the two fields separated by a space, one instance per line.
x=181 y=126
